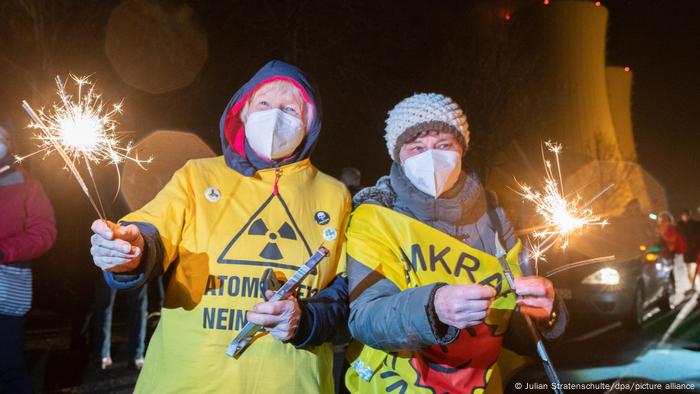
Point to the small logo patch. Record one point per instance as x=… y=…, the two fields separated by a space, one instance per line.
x=330 y=234
x=212 y=194
x=322 y=217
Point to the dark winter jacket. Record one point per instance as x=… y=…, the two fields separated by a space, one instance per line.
x=690 y=230
x=462 y=213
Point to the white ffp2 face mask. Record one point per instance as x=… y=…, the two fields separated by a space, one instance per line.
x=434 y=171
x=273 y=134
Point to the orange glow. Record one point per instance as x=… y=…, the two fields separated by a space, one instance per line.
x=546 y=2
x=507 y=17
x=627 y=69
x=597 y=3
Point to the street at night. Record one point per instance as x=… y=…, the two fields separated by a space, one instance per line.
x=664 y=351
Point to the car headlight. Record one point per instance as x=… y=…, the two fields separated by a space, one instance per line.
x=604 y=276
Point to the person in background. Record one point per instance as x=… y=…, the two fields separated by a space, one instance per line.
x=137 y=303
x=27 y=230
x=673 y=240
x=673 y=244
x=352 y=178
x=690 y=230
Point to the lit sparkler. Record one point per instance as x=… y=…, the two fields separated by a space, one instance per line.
x=80 y=128
x=563 y=217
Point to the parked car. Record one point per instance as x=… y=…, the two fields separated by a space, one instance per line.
x=621 y=289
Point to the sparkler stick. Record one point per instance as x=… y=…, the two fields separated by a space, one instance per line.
x=81 y=128
x=57 y=146
x=94 y=185
x=563 y=218
x=582 y=263
x=549 y=369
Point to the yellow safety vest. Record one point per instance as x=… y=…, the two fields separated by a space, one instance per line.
x=412 y=254
x=221 y=230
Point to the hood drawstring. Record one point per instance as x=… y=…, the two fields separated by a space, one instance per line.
x=278 y=175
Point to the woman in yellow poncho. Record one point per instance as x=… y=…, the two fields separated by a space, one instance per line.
x=216 y=226
x=428 y=298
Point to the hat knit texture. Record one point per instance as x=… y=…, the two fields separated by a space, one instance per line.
x=422 y=112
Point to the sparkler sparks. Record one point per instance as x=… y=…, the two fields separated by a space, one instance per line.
x=80 y=128
x=563 y=218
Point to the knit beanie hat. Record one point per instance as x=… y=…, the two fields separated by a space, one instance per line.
x=422 y=112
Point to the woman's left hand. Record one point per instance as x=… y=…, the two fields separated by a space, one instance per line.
x=535 y=296
x=280 y=318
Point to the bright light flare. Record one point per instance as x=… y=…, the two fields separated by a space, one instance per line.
x=81 y=128
x=82 y=125
x=563 y=218
x=80 y=133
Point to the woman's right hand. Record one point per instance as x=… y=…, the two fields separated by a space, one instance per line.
x=463 y=306
x=116 y=248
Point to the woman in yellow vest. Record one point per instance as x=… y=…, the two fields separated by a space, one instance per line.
x=428 y=298
x=213 y=230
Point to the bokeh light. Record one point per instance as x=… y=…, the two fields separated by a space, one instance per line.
x=154 y=47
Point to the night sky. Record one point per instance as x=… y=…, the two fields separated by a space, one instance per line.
x=365 y=56
x=660 y=41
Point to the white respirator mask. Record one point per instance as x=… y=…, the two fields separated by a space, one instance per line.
x=434 y=171
x=3 y=150
x=273 y=134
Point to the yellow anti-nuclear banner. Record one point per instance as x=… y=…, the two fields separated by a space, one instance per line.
x=413 y=254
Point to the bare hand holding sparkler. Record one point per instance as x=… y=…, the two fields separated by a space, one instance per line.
x=116 y=248
x=535 y=296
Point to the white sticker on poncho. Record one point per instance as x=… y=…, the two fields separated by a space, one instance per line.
x=212 y=194
x=330 y=234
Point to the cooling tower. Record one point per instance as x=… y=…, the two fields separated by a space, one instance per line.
x=649 y=193
x=620 y=99
x=562 y=95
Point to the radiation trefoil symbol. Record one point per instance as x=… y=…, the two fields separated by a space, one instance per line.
x=269 y=238
x=271 y=250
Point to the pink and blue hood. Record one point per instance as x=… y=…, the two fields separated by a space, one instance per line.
x=237 y=152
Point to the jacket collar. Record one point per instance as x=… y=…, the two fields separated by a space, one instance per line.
x=293 y=171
